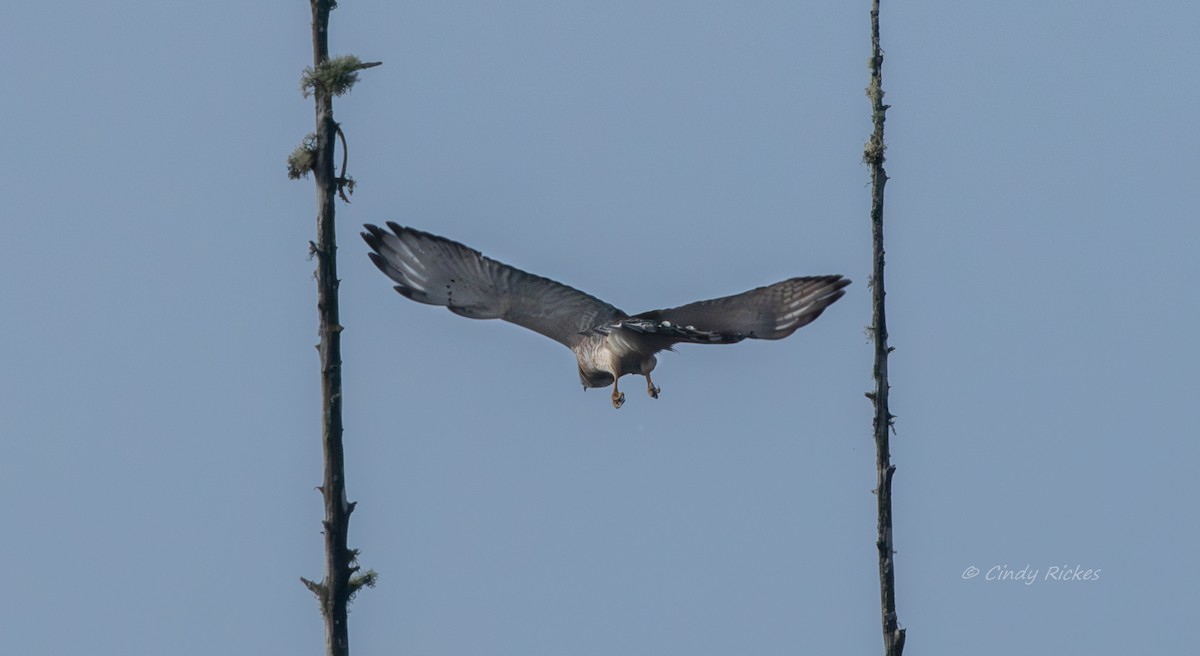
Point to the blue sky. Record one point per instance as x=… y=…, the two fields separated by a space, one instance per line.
x=160 y=413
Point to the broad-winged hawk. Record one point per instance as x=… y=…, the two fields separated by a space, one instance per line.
x=607 y=342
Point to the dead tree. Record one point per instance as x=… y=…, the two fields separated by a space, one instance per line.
x=324 y=80
x=893 y=635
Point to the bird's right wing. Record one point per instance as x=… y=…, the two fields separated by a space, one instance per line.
x=771 y=312
x=437 y=271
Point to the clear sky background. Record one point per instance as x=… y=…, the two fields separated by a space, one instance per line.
x=159 y=388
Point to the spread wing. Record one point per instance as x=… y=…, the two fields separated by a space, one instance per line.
x=438 y=271
x=771 y=312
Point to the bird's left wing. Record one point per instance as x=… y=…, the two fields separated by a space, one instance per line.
x=438 y=271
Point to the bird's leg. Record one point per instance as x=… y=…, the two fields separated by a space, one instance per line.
x=618 y=396
x=651 y=389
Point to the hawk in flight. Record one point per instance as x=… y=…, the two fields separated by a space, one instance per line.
x=607 y=342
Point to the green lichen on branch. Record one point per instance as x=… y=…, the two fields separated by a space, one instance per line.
x=874 y=149
x=873 y=152
x=335 y=76
x=367 y=579
x=300 y=162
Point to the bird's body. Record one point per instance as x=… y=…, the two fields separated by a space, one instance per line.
x=607 y=342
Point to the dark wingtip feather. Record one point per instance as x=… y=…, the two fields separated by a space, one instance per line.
x=374 y=237
x=398 y=229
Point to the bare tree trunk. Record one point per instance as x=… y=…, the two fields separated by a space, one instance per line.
x=893 y=635
x=340 y=583
x=335 y=593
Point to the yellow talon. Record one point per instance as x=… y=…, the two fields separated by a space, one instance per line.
x=651 y=389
